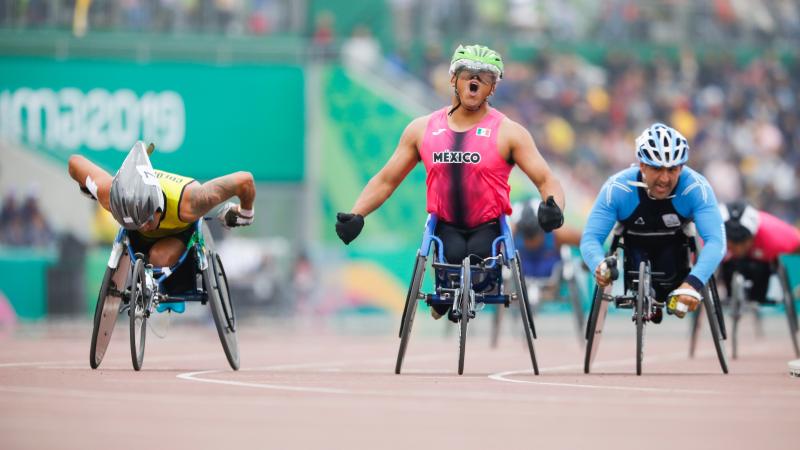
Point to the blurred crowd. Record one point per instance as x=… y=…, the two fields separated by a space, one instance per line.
x=237 y=17
x=659 y=21
x=433 y=20
x=22 y=223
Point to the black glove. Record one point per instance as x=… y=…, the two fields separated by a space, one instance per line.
x=550 y=215
x=611 y=265
x=348 y=226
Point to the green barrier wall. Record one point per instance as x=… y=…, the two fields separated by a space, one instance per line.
x=792 y=264
x=360 y=133
x=206 y=120
x=23 y=279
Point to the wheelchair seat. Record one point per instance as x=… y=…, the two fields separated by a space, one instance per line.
x=181 y=277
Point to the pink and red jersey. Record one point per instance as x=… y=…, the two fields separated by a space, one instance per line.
x=774 y=237
x=467 y=178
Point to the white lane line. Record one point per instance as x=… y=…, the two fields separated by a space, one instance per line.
x=504 y=376
x=195 y=376
x=334 y=365
x=191 y=376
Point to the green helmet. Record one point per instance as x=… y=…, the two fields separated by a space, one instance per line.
x=476 y=57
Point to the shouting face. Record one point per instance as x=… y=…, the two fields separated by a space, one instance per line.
x=473 y=87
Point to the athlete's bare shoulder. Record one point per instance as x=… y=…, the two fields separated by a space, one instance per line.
x=511 y=135
x=415 y=130
x=509 y=128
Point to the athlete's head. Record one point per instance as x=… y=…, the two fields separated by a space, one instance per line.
x=474 y=71
x=662 y=151
x=136 y=198
x=741 y=223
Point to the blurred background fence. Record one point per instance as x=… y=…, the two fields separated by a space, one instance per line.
x=311 y=96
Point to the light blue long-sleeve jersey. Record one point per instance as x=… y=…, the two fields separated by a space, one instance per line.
x=693 y=199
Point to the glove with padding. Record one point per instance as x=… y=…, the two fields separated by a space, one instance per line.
x=348 y=226
x=550 y=215
x=232 y=215
x=683 y=300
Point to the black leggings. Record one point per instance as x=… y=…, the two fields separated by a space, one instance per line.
x=460 y=242
x=670 y=259
x=758 y=272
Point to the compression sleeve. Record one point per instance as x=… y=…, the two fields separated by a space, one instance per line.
x=698 y=201
x=600 y=222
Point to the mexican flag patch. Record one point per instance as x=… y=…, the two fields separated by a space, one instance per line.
x=485 y=132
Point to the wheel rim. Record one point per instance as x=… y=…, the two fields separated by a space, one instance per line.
x=227 y=336
x=225 y=294
x=640 y=312
x=466 y=290
x=138 y=314
x=410 y=309
x=527 y=319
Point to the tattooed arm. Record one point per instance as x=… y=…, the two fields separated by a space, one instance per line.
x=199 y=199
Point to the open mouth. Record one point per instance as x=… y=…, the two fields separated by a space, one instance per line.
x=473 y=86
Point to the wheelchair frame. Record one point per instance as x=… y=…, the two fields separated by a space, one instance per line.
x=639 y=296
x=738 y=303
x=142 y=290
x=449 y=288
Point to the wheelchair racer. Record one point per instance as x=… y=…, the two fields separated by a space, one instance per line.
x=755 y=240
x=158 y=208
x=468 y=149
x=539 y=250
x=654 y=201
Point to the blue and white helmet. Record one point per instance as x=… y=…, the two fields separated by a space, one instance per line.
x=662 y=146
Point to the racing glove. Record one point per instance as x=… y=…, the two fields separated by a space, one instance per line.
x=348 y=226
x=550 y=215
x=232 y=215
x=607 y=271
x=683 y=300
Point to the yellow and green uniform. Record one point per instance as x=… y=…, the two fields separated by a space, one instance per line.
x=171 y=223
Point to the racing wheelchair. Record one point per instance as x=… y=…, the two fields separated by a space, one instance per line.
x=132 y=285
x=644 y=291
x=741 y=300
x=465 y=286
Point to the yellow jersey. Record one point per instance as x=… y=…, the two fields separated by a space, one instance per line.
x=171 y=223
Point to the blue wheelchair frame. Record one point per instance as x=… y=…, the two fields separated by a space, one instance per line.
x=492 y=269
x=160 y=274
x=454 y=287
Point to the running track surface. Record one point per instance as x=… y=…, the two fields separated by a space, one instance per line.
x=331 y=385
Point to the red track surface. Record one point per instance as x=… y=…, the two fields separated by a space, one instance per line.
x=334 y=387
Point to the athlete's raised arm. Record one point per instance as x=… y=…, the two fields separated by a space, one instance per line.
x=525 y=154
x=402 y=161
x=201 y=198
x=92 y=179
x=382 y=185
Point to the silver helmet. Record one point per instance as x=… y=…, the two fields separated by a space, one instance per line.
x=135 y=190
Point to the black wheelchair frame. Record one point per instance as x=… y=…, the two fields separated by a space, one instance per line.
x=450 y=283
x=641 y=298
x=738 y=304
x=132 y=285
